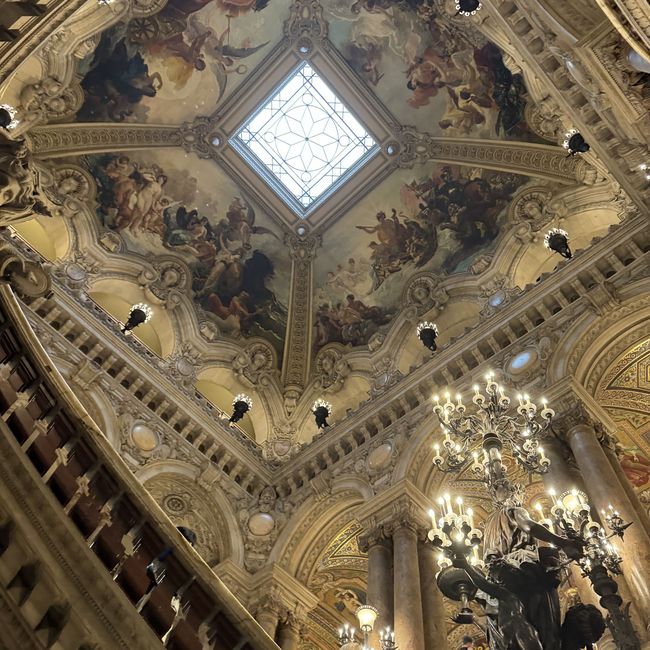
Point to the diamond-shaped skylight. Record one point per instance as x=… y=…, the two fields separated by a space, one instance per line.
x=304 y=141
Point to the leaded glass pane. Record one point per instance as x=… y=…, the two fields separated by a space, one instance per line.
x=304 y=141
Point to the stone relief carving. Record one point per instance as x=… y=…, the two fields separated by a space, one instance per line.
x=305 y=25
x=261 y=521
x=545 y=119
x=165 y=282
x=20 y=194
x=49 y=100
x=331 y=369
x=281 y=445
x=384 y=374
x=538 y=207
x=27 y=278
x=255 y=365
x=423 y=295
x=613 y=54
x=183 y=365
x=497 y=292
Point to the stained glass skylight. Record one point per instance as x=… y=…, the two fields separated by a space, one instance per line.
x=304 y=141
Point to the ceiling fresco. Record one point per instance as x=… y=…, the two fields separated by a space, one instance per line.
x=427 y=71
x=182 y=206
x=430 y=218
x=179 y=63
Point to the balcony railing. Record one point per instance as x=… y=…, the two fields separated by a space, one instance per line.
x=117 y=518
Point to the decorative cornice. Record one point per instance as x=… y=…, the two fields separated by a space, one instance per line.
x=58 y=140
x=538 y=160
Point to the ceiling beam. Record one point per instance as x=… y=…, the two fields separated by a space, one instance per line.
x=75 y=139
x=536 y=160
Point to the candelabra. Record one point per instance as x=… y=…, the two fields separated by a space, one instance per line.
x=474 y=438
x=366 y=615
x=454 y=535
x=487 y=430
x=571 y=518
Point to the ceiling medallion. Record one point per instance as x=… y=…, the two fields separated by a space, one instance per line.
x=303 y=141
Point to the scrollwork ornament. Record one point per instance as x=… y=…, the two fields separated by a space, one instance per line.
x=21 y=197
x=332 y=369
x=423 y=295
x=49 y=100
x=255 y=364
x=306 y=21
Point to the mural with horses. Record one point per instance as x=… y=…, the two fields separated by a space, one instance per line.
x=426 y=219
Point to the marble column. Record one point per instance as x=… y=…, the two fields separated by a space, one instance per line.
x=409 y=625
x=380 y=583
x=433 y=607
x=289 y=635
x=604 y=488
x=560 y=478
x=268 y=617
x=641 y=513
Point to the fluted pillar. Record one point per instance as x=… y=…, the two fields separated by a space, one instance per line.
x=433 y=607
x=409 y=626
x=604 y=488
x=380 y=582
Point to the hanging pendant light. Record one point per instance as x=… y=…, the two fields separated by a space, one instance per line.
x=240 y=405
x=138 y=315
x=8 y=119
x=427 y=333
x=468 y=7
x=575 y=143
x=557 y=240
x=321 y=410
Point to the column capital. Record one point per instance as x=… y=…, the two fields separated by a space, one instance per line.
x=374 y=535
x=401 y=506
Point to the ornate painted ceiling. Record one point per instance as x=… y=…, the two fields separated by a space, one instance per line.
x=152 y=202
